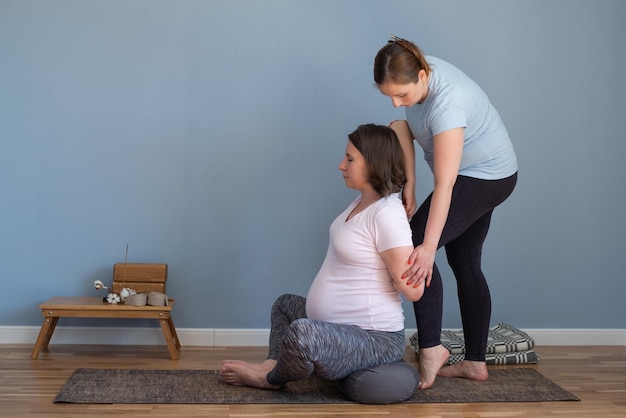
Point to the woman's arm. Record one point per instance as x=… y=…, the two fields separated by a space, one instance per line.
x=405 y=136
x=448 y=150
x=396 y=261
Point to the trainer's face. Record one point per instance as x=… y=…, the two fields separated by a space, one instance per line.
x=406 y=94
x=401 y=94
x=354 y=168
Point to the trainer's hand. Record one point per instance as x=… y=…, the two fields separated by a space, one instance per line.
x=408 y=200
x=421 y=261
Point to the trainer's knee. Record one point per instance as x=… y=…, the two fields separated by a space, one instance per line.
x=463 y=261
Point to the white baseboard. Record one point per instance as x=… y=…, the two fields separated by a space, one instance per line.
x=212 y=337
x=591 y=336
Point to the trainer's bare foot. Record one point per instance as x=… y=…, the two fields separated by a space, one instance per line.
x=473 y=370
x=240 y=373
x=430 y=361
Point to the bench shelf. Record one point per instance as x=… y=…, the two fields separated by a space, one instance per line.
x=94 y=307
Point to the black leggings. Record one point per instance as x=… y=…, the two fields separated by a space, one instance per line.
x=464 y=233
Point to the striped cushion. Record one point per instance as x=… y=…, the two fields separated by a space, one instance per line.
x=519 y=357
x=505 y=345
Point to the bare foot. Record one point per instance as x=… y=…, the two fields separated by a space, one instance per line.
x=473 y=370
x=267 y=365
x=430 y=361
x=240 y=373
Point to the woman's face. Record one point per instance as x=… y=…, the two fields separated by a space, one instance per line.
x=406 y=94
x=354 y=169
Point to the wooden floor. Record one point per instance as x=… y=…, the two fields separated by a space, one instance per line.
x=597 y=375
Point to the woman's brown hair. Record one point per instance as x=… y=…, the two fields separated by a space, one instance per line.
x=399 y=62
x=384 y=157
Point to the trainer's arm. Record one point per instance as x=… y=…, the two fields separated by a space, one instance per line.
x=405 y=136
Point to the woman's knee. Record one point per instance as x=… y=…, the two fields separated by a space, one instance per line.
x=300 y=339
x=287 y=302
x=299 y=331
x=281 y=300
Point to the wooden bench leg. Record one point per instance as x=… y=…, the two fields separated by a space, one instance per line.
x=45 y=334
x=170 y=324
x=169 y=332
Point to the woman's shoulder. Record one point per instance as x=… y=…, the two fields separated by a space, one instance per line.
x=392 y=199
x=389 y=220
x=391 y=205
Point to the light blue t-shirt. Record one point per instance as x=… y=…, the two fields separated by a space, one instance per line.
x=454 y=100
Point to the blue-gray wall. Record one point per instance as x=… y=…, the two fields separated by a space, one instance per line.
x=207 y=134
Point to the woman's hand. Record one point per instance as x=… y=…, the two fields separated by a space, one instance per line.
x=421 y=260
x=396 y=260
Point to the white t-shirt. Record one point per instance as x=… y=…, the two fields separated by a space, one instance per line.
x=353 y=286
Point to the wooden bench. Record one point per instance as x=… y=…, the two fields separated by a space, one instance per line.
x=141 y=277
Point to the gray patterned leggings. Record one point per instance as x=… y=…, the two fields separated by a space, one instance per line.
x=304 y=346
